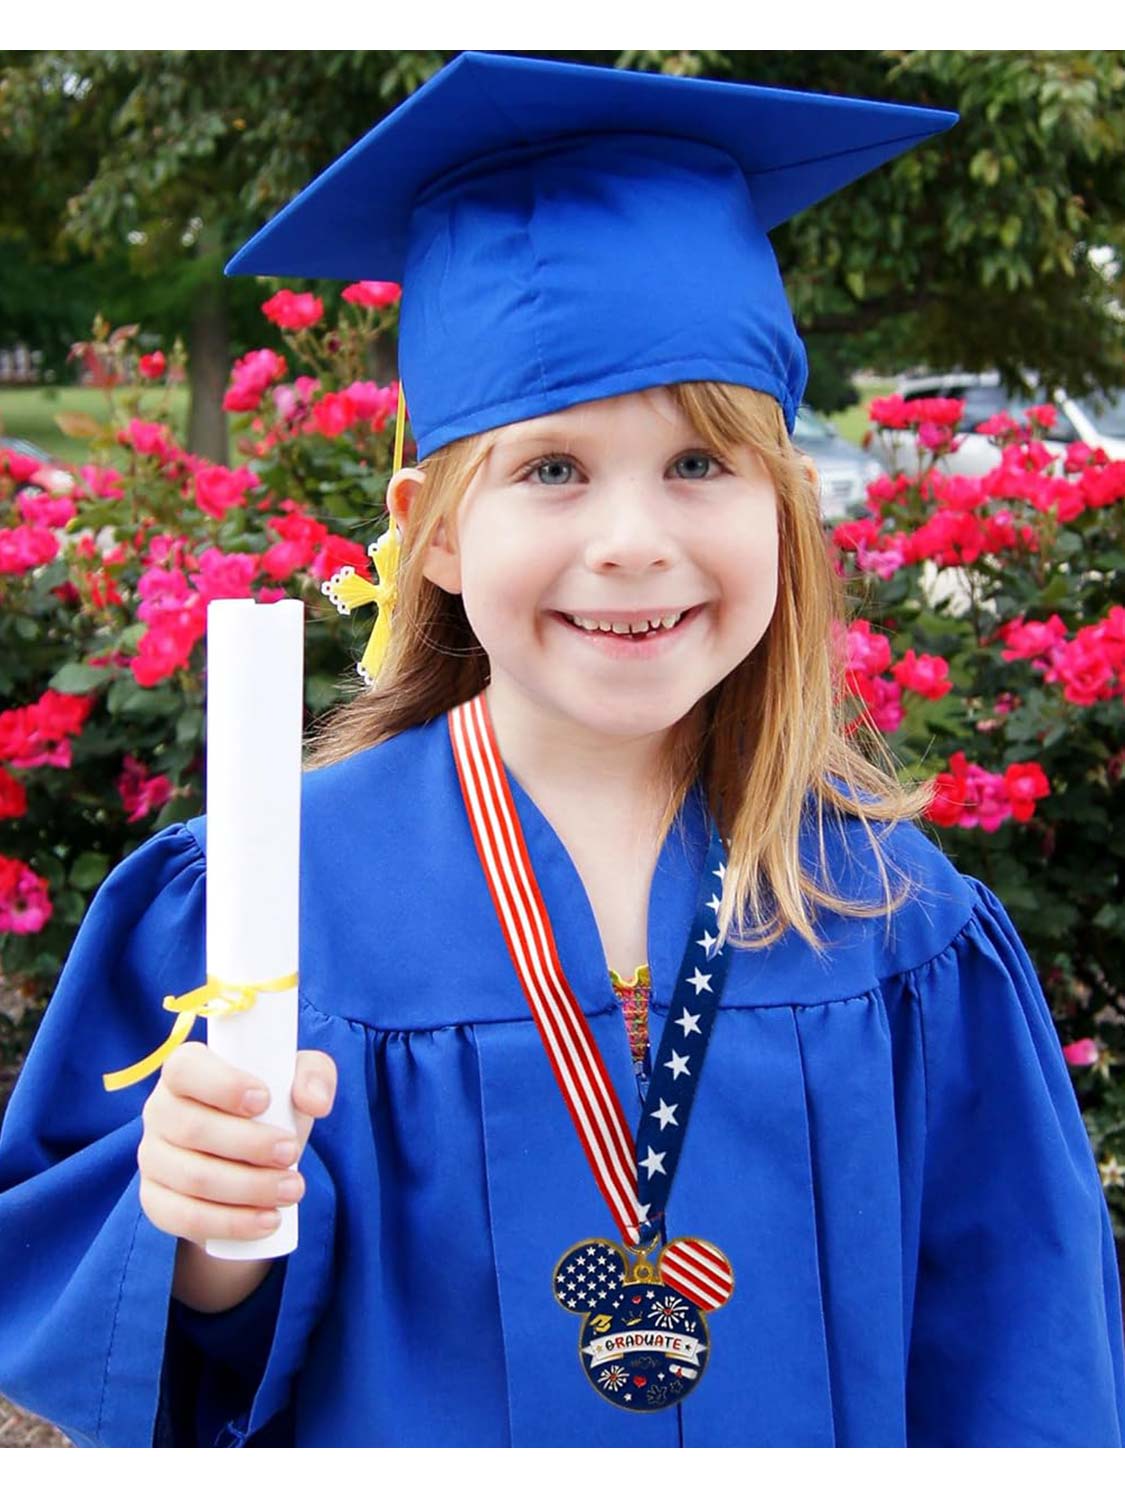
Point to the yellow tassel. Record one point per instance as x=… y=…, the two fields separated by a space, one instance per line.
x=218 y=997
x=400 y=429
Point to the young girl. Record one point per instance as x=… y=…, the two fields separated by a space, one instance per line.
x=678 y=1091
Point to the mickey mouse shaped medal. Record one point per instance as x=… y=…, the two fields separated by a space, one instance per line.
x=644 y=1340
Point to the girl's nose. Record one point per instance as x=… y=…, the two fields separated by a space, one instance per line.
x=630 y=538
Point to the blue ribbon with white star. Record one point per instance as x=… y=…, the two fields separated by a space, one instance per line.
x=679 y=1063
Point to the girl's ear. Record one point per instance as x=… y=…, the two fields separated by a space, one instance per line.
x=442 y=564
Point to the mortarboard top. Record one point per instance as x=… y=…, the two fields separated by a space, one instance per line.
x=564 y=233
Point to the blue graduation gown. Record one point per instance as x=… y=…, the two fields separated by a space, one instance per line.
x=885 y=1144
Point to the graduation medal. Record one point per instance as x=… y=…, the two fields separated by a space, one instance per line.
x=643 y=1339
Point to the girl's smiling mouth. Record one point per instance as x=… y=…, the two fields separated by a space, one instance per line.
x=630 y=633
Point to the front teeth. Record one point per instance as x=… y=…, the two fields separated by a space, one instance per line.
x=667 y=622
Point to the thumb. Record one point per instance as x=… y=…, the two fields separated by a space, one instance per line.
x=314 y=1091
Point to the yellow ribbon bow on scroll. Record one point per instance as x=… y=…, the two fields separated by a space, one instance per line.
x=348 y=590
x=218 y=997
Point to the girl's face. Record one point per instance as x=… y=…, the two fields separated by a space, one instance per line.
x=611 y=513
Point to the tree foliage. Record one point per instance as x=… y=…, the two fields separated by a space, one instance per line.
x=999 y=244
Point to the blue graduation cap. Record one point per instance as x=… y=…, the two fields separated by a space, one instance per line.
x=564 y=233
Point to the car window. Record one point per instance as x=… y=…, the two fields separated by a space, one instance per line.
x=809 y=428
x=981 y=402
x=1062 y=432
x=1107 y=414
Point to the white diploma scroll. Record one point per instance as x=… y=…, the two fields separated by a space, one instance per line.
x=255 y=673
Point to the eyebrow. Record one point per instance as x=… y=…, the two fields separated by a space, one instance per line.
x=549 y=436
x=540 y=437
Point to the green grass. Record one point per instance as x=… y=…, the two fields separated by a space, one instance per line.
x=29 y=412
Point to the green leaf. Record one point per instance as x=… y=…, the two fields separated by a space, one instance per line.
x=88 y=870
x=70 y=906
x=99 y=514
x=76 y=677
x=1055 y=592
x=1021 y=898
x=128 y=700
x=123 y=692
x=985 y=167
x=1010 y=231
x=52 y=870
x=189 y=726
x=153 y=703
x=321 y=692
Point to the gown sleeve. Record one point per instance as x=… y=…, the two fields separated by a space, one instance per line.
x=1016 y=1336
x=90 y=1337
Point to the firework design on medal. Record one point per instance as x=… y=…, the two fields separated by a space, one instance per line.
x=644 y=1341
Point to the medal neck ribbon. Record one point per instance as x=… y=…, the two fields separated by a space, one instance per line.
x=634 y=1176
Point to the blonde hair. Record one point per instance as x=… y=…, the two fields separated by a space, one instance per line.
x=769 y=737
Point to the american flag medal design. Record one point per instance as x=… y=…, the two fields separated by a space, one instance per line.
x=644 y=1341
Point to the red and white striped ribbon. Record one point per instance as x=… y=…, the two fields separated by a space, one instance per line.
x=575 y=1060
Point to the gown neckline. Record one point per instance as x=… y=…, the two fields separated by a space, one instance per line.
x=671 y=898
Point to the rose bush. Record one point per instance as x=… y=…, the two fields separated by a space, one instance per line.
x=104 y=589
x=990 y=648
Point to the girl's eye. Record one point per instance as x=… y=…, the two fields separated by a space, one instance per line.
x=696 y=466
x=551 y=470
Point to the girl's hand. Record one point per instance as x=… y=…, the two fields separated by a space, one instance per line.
x=208 y=1170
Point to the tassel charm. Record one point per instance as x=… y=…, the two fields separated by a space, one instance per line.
x=348 y=590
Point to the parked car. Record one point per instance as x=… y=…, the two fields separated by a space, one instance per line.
x=1097 y=420
x=845 y=470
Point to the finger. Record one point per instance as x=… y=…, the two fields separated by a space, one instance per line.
x=196 y=1072
x=197 y=1127
x=193 y=1219
x=314 y=1083
x=195 y=1175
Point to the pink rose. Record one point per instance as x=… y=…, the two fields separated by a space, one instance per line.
x=46 y=510
x=218 y=489
x=293 y=310
x=225 y=575
x=372 y=293
x=1026 y=783
x=1044 y=416
x=24 y=904
x=1081 y=1054
x=17 y=466
x=333 y=414
x=926 y=675
x=25 y=547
